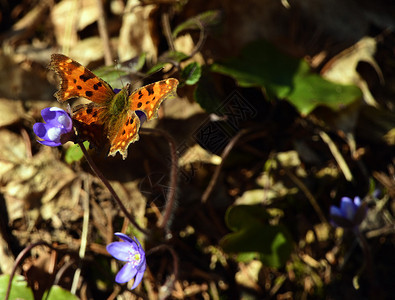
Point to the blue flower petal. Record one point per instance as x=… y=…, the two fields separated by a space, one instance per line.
x=50 y=114
x=127 y=272
x=335 y=211
x=350 y=214
x=138 y=279
x=49 y=143
x=40 y=130
x=65 y=121
x=129 y=250
x=357 y=201
x=58 y=122
x=48 y=132
x=120 y=250
x=347 y=208
x=124 y=237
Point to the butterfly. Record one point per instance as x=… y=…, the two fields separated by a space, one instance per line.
x=110 y=116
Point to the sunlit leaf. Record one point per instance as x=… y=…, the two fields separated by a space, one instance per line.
x=261 y=65
x=169 y=57
x=58 y=293
x=74 y=153
x=253 y=237
x=114 y=74
x=19 y=288
x=191 y=73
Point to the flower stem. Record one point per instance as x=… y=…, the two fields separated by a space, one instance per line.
x=19 y=258
x=99 y=174
x=367 y=263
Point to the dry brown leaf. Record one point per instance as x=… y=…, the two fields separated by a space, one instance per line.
x=29 y=183
x=343 y=67
x=11 y=111
x=135 y=35
x=69 y=16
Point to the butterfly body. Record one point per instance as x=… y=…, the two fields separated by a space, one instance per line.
x=109 y=116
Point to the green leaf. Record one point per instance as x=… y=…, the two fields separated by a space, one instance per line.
x=166 y=58
x=262 y=65
x=19 y=288
x=206 y=94
x=58 y=293
x=113 y=74
x=191 y=73
x=207 y=19
x=241 y=216
x=254 y=238
x=74 y=153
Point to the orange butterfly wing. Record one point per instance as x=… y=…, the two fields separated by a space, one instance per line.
x=89 y=119
x=148 y=98
x=78 y=81
x=124 y=130
x=123 y=133
x=110 y=117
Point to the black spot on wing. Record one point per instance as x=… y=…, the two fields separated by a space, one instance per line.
x=86 y=76
x=89 y=93
x=150 y=89
x=79 y=87
x=140 y=94
x=95 y=87
x=139 y=104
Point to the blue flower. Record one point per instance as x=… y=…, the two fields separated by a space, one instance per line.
x=57 y=123
x=350 y=213
x=130 y=251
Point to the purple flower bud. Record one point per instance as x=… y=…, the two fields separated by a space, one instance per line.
x=350 y=213
x=133 y=254
x=57 y=123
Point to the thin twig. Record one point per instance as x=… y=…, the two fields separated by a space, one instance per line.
x=62 y=270
x=217 y=171
x=171 y=193
x=84 y=237
x=173 y=254
x=100 y=175
x=336 y=154
x=167 y=30
x=19 y=259
x=102 y=25
x=367 y=262
x=202 y=39
x=309 y=196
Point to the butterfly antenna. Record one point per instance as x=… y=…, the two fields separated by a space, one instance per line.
x=116 y=64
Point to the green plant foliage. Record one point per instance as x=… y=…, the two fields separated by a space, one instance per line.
x=191 y=73
x=254 y=238
x=58 y=293
x=113 y=74
x=19 y=288
x=203 y=20
x=74 y=153
x=168 y=57
x=262 y=65
x=205 y=93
